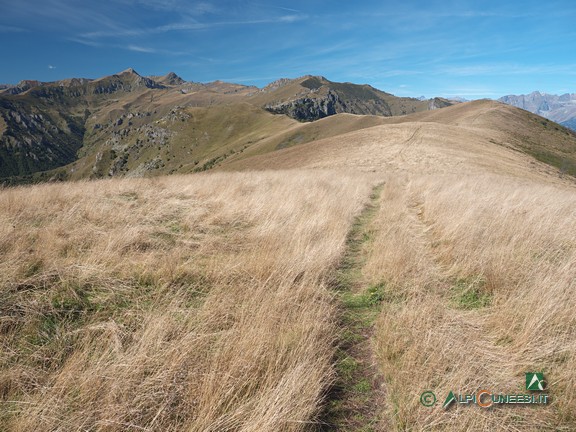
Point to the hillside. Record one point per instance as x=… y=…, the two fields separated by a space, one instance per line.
x=127 y=124
x=558 y=108
x=45 y=123
x=491 y=127
x=336 y=271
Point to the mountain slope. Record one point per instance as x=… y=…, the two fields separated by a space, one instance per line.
x=34 y=137
x=45 y=123
x=196 y=139
x=437 y=136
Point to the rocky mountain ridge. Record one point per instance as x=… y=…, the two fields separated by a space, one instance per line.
x=311 y=98
x=558 y=108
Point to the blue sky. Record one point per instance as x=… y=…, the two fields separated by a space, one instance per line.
x=473 y=49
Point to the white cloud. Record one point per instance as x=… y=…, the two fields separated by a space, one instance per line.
x=86 y=42
x=291 y=18
x=51 y=67
x=140 y=49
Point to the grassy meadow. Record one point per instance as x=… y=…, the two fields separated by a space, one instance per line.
x=480 y=277
x=324 y=292
x=184 y=303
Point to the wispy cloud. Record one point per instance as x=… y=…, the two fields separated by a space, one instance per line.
x=51 y=67
x=190 y=25
x=132 y=47
x=196 y=25
x=141 y=49
x=291 y=18
x=287 y=9
x=203 y=8
x=275 y=7
x=57 y=12
x=87 y=42
x=418 y=14
x=10 y=29
x=199 y=8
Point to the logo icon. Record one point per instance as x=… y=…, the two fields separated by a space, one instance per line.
x=535 y=381
x=428 y=398
x=449 y=399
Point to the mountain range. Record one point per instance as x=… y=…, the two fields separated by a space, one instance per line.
x=126 y=124
x=130 y=123
x=558 y=108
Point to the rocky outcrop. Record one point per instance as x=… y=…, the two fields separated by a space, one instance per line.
x=309 y=109
x=437 y=103
x=314 y=108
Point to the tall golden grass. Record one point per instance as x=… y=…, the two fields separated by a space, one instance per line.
x=202 y=303
x=194 y=303
x=480 y=275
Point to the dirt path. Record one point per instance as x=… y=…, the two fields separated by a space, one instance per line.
x=356 y=401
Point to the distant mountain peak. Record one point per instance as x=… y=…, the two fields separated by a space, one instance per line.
x=170 y=79
x=458 y=99
x=318 y=77
x=128 y=80
x=130 y=71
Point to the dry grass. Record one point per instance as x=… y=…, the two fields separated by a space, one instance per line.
x=201 y=303
x=185 y=303
x=480 y=276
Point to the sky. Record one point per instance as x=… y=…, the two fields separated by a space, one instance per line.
x=473 y=49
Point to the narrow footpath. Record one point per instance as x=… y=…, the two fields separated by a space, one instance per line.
x=356 y=401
